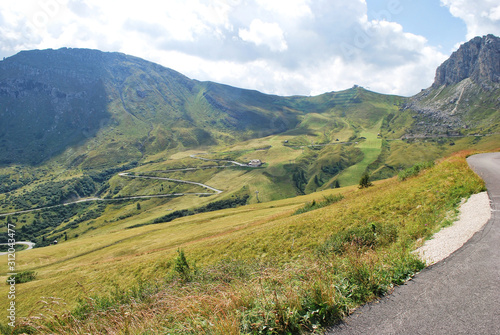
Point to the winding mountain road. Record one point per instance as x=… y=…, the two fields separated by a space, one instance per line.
x=128 y=175
x=219 y=160
x=459 y=295
x=29 y=244
x=125 y=174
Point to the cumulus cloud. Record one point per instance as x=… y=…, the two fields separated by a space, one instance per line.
x=482 y=17
x=282 y=46
x=264 y=33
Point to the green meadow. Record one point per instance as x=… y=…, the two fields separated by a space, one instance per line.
x=258 y=268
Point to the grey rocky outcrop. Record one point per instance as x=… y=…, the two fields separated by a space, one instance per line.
x=464 y=96
x=478 y=59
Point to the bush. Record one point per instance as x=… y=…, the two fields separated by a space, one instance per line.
x=24 y=277
x=182 y=265
x=414 y=170
x=365 y=181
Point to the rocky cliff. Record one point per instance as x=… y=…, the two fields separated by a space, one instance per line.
x=465 y=96
x=478 y=59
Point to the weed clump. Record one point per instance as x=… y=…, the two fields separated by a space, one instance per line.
x=359 y=238
x=414 y=170
x=25 y=276
x=327 y=200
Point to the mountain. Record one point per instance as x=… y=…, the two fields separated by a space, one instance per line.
x=121 y=108
x=465 y=96
x=478 y=59
x=53 y=99
x=110 y=130
x=126 y=164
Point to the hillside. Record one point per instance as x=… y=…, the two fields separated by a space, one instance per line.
x=61 y=98
x=79 y=119
x=243 y=266
x=127 y=163
x=125 y=108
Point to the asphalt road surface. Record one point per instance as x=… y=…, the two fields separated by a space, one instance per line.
x=459 y=295
x=29 y=244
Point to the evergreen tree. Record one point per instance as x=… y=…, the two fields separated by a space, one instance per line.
x=365 y=181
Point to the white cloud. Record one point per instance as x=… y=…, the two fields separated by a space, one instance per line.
x=482 y=17
x=287 y=8
x=264 y=33
x=282 y=46
x=494 y=13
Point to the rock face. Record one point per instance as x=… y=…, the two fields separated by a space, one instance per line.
x=465 y=96
x=478 y=59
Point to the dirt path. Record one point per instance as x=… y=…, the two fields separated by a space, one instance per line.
x=217 y=191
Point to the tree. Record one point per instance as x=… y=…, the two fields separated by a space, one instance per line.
x=365 y=181
x=138 y=206
x=181 y=265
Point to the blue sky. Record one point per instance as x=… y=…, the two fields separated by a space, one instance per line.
x=285 y=47
x=428 y=18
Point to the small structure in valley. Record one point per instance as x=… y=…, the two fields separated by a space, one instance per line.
x=255 y=163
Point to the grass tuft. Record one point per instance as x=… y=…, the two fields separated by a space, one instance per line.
x=414 y=170
x=327 y=200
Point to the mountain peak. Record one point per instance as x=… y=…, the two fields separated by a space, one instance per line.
x=478 y=59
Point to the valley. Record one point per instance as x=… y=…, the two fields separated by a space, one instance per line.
x=143 y=178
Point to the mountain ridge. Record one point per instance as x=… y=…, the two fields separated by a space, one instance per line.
x=478 y=59
x=66 y=97
x=113 y=108
x=465 y=96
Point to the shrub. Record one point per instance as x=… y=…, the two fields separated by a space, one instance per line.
x=365 y=181
x=182 y=266
x=25 y=276
x=414 y=170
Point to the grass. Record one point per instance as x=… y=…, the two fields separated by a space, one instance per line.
x=252 y=269
x=328 y=200
x=371 y=148
x=414 y=170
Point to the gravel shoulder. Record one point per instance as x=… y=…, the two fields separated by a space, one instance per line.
x=474 y=214
x=459 y=293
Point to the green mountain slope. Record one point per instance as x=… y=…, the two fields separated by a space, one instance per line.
x=123 y=108
x=74 y=120
x=53 y=99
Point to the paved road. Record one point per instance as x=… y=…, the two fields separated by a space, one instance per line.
x=125 y=174
x=29 y=244
x=459 y=295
